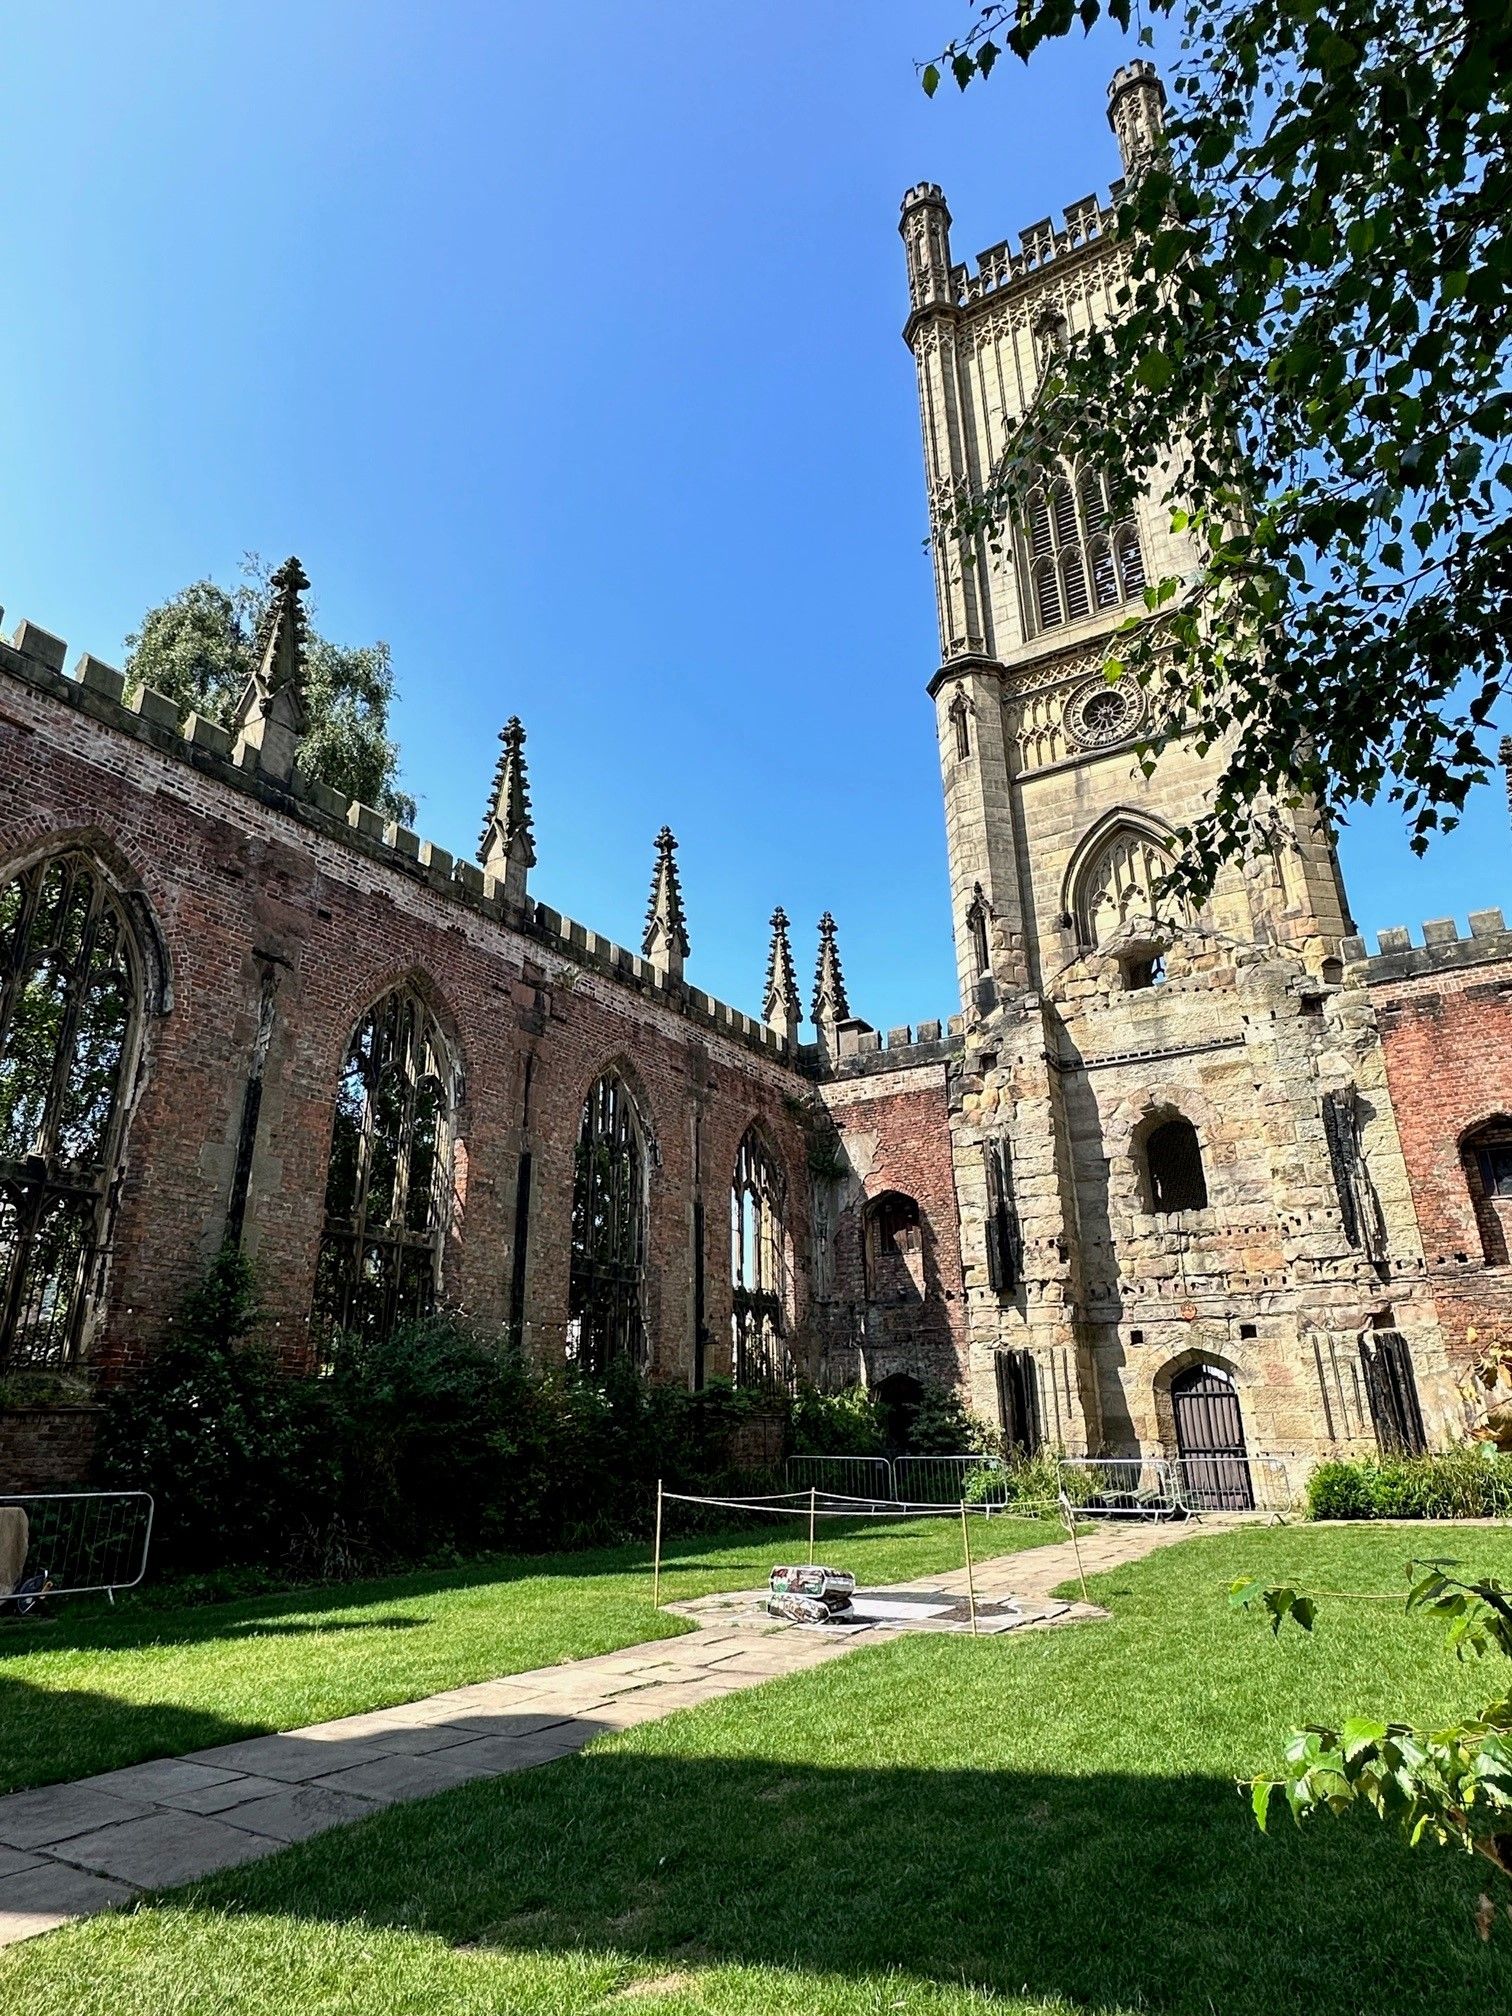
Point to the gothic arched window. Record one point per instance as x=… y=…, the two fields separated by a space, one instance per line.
x=1116 y=888
x=1173 y=1164
x=759 y=1267
x=388 y=1184
x=1070 y=560
x=604 y=1315
x=70 y=991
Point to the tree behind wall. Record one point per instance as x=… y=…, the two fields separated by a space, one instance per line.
x=198 y=648
x=1310 y=370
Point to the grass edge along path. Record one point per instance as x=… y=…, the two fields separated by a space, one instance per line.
x=90 y=1691
x=935 y=1826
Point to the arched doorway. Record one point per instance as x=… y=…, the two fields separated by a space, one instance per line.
x=1210 y=1440
x=900 y=1398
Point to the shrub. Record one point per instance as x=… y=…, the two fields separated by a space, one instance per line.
x=849 y=1423
x=1453 y=1484
x=229 y=1445
x=943 y=1425
x=422 y=1447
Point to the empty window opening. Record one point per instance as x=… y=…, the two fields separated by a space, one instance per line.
x=69 y=1000
x=1486 y=1159
x=388 y=1182
x=1144 y=970
x=1173 y=1160
x=893 y=1248
x=760 y=1269
x=605 y=1318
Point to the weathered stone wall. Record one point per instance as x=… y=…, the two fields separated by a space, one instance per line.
x=1094 y=1006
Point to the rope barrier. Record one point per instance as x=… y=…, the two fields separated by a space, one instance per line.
x=833 y=1505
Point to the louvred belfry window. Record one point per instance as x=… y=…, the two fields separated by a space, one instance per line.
x=69 y=998
x=605 y=1320
x=1073 y=559
x=759 y=1268
x=389 y=1181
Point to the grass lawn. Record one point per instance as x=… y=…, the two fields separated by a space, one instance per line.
x=1049 y=1824
x=90 y=1689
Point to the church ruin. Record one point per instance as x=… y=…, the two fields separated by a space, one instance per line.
x=1221 y=1175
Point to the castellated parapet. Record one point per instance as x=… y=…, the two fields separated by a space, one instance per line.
x=98 y=690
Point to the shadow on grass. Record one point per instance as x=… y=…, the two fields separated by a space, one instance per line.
x=1114 y=1892
x=61 y=1721
x=152 y=1621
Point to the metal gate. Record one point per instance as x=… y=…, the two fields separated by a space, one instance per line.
x=1210 y=1441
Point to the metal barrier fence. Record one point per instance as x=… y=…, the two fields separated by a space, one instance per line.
x=1115 y=1487
x=944 y=1480
x=1122 y=1487
x=80 y=1542
x=1178 y=1487
x=909 y=1480
x=844 y=1476
x=1241 y=1483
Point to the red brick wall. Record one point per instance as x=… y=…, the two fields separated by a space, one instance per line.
x=232 y=884
x=46 y=1448
x=896 y=1133
x=1448 y=1047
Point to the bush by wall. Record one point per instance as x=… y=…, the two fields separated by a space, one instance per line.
x=427 y=1446
x=1457 y=1484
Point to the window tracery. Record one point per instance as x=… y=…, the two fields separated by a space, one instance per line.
x=389 y=1176
x=1116 y=890
x=69 y=1000
x=605 y=1316
x=759 y=1268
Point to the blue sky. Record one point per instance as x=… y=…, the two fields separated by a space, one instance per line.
x=563 y=347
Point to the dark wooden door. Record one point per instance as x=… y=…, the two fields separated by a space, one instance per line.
x=1210 y=1441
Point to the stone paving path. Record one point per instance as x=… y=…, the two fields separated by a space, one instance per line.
x=69 y=1850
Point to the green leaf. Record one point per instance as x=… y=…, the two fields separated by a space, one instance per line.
x=1154 y=371
x=1260 y=1799
x=931 y=79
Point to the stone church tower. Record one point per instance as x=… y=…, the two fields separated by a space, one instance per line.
x=1176 y=1164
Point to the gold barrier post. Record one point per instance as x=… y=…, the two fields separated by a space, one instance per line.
x=813 y=1500
x=656 y=1563
x=970 y=1578
x=1070 y=1518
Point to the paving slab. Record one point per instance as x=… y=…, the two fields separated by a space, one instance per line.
x=292 y=1758
x=12 y=1860
x=388 y=1779
x=49 y=1895
x=295 y=1812
x=56 y=1812
x=158 y=1781
x=232 y=1790
x=167 y=1848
